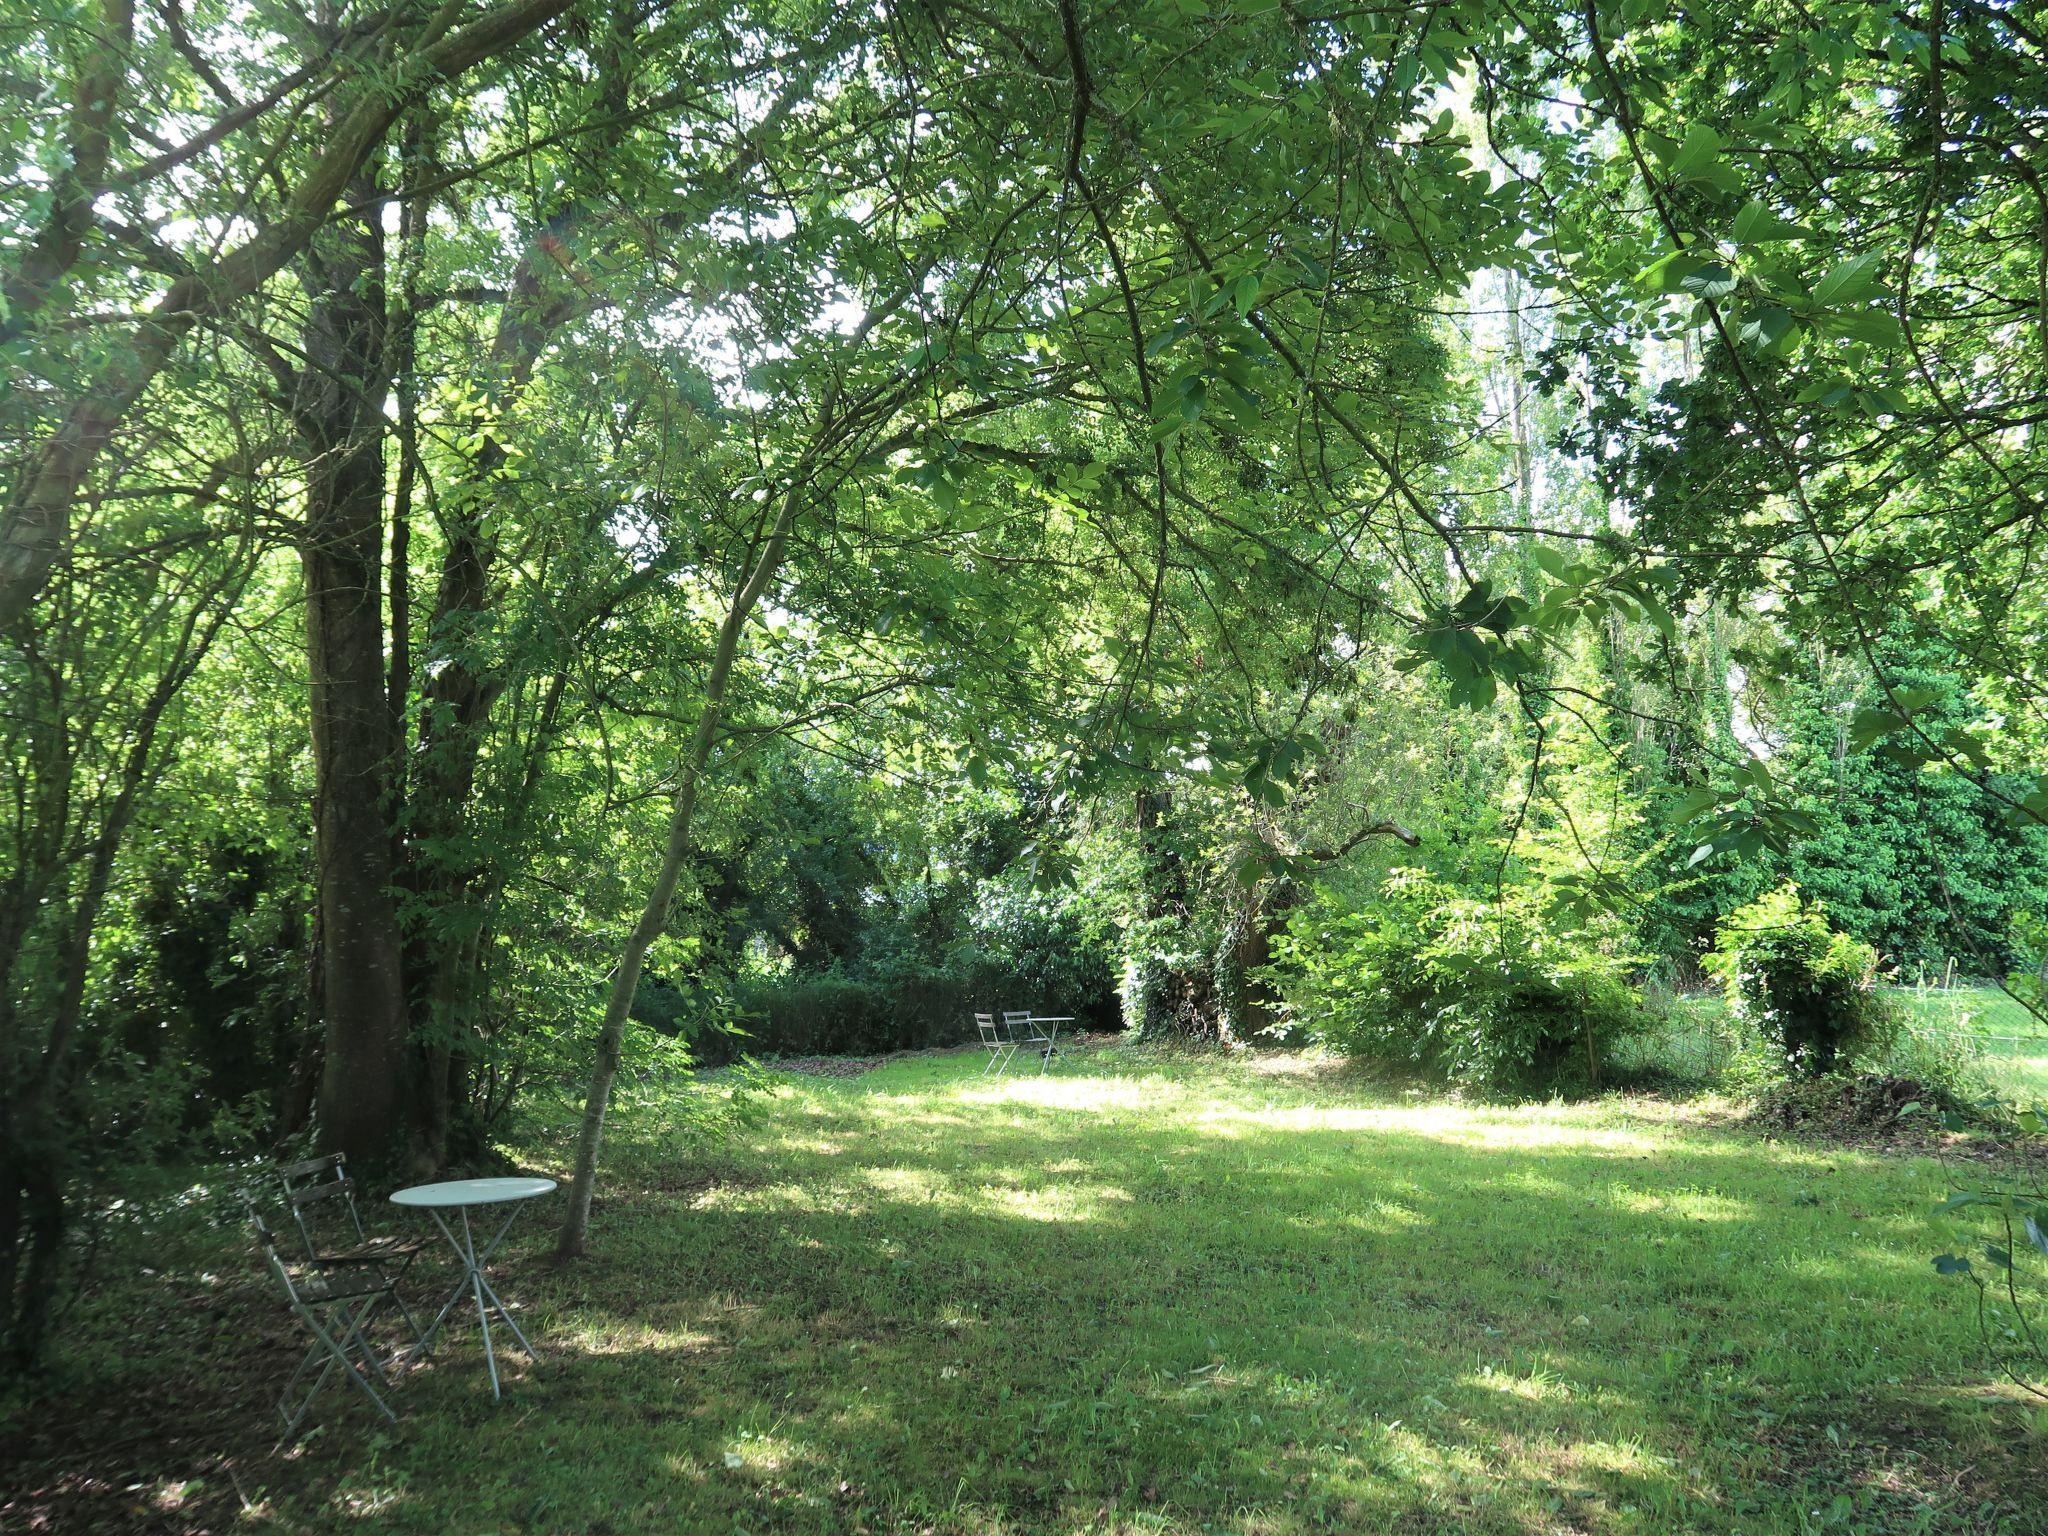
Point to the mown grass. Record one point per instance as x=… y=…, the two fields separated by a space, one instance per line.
x=2007 y=1044
x=1162 y=1295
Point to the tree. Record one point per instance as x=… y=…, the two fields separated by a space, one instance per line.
x=44 y=487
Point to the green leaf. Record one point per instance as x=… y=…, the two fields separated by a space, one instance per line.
x=1766 y=328
x=1699 y=155
x=1913 y=700
x=1693 y=804
x=1712 y=281
x=1166 y=338
x=1667 y=274
x=1873 y=725
x=1848 y=281
x=1757 y=225
x=1658 y=615
x=1873 y=327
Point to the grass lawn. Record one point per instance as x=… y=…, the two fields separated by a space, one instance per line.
x=2010 y=1044
x=1139 y=1295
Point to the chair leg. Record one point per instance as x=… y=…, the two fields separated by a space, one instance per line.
x=293 y=1417
x=335 y=1355
x=313 y=1353
x=405 y=1312
x=358 y=1320
x=505 y=1316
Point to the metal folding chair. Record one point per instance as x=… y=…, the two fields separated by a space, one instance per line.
x=1030 y=1035
x=322 y=1183
x=1002 y=1045
x=349 y=1294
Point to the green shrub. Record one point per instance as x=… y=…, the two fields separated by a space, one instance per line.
x=1047 y=950
x=834 y=1014
x=1485 y=991
x=903 y=1007
x=1808 y=990
x=904 y=990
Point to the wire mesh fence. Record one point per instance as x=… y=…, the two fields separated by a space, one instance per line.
x=1966 y=1011
x=1979 y=1026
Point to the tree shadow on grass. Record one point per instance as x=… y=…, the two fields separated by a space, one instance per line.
x=1032 y=1309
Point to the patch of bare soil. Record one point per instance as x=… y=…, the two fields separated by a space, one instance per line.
x=1870 y=1112
x=1865 y=1106
x=180 y=1450
x=1891 y=1460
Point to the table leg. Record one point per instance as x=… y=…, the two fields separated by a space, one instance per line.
x=477 y=1288
x=496 y=1301
x=453 y=1296
x=483 y=1314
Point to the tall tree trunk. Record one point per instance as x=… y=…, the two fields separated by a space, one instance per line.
x=654 y=914
x=1172 y=999
x=456 y=697
x=365 y=1068
x=549 y=289
x=1263 y=918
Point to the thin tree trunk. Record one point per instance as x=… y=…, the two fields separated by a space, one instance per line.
x=402 y=369
x=32 y=1134
x=654 y=914
x=1518 y=405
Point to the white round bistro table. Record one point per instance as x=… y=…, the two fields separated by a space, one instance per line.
x=459 y=1195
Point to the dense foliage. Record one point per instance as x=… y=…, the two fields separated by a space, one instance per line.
x=848 y=515
x=1801 y=984
x=1489 y=992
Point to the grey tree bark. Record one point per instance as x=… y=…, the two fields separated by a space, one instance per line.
x=654 y=913
x=365 y=1067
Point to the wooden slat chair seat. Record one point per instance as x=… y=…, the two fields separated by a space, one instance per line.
x=320 y=1184
x=323 y=1281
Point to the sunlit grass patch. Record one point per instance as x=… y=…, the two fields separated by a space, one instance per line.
x=1158 y=1294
